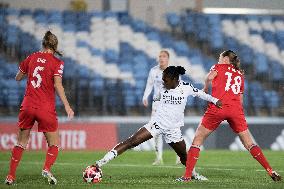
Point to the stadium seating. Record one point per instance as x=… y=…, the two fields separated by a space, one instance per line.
x=104 y=51
x=258 y=39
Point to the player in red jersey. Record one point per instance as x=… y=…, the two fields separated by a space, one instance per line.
x=227 y=85
x=44 y=77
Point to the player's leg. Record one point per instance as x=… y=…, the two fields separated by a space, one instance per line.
x=178 y=158
x=25 y=124
x=193 y=154
x=48 y=124
x=159 y=150
x=210 y=121
x=17 y=152
x=238 y=124
x=52 y=139
x=139 y=137
x=257 y=154
x=158 y=139
x=180 y=149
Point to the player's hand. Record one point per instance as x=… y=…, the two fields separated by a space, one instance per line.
x=219 y=104
x=205 y=90
x=70 y=113
x=145 y=102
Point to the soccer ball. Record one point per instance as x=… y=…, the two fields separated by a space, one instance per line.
x=92 y=174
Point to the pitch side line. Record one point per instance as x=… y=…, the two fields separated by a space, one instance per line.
x=147 y=166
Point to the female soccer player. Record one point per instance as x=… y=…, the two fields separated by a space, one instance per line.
x=228 y=85
x=169 y=116
x=154 y=81
x=44 y=76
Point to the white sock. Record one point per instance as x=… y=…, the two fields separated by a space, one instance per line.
x=109 y=156
x=159 y=147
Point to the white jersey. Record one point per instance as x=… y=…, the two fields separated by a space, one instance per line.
x=170 y=112
x=154 y=80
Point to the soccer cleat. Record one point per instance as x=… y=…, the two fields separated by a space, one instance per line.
x=199 y=177
x=50 y=178
x=183 y=179
x=275 y=176
x=97 y=166
x=9 y=180
x=158 y=162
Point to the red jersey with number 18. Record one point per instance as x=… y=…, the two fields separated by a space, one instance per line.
x=41 y=68
x=228 y=84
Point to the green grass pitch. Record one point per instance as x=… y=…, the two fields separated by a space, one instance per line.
x=224 y=169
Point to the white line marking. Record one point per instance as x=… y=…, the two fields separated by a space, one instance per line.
x=144 y=166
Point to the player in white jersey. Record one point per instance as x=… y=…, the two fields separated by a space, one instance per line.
x=154 y=81
x=168 y=119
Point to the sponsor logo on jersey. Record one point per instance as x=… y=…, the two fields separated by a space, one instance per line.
x=170 y=99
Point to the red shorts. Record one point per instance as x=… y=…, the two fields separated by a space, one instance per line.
x=47 y=121
x=233 y=114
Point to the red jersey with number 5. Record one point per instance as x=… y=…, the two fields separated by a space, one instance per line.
x=40 y=69
x=228 y=84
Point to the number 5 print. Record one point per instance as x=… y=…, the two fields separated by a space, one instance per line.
x=37 y=75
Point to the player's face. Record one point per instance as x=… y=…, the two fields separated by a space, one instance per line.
x=163 y=60
x=168 y=82
x=222 y=59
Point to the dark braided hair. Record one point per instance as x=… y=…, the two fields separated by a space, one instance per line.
x=50 y=41
x=174 y=71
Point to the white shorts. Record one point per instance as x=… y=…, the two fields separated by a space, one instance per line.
x=170 y=135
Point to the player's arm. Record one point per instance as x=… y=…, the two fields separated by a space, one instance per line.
x=23 y=69
x=148 y=89
x=20 y=75
x=201 y=94
x=210 y=76
x=61 y=93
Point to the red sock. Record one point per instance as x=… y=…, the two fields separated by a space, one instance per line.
x=192 y=157
x=257 y=154
x=17 y=153
x=51 y=156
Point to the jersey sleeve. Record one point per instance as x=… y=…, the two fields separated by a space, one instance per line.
x=191 y=90
x=149 y=85
x=214 y=68
x=58 y=71
x=23 y=67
